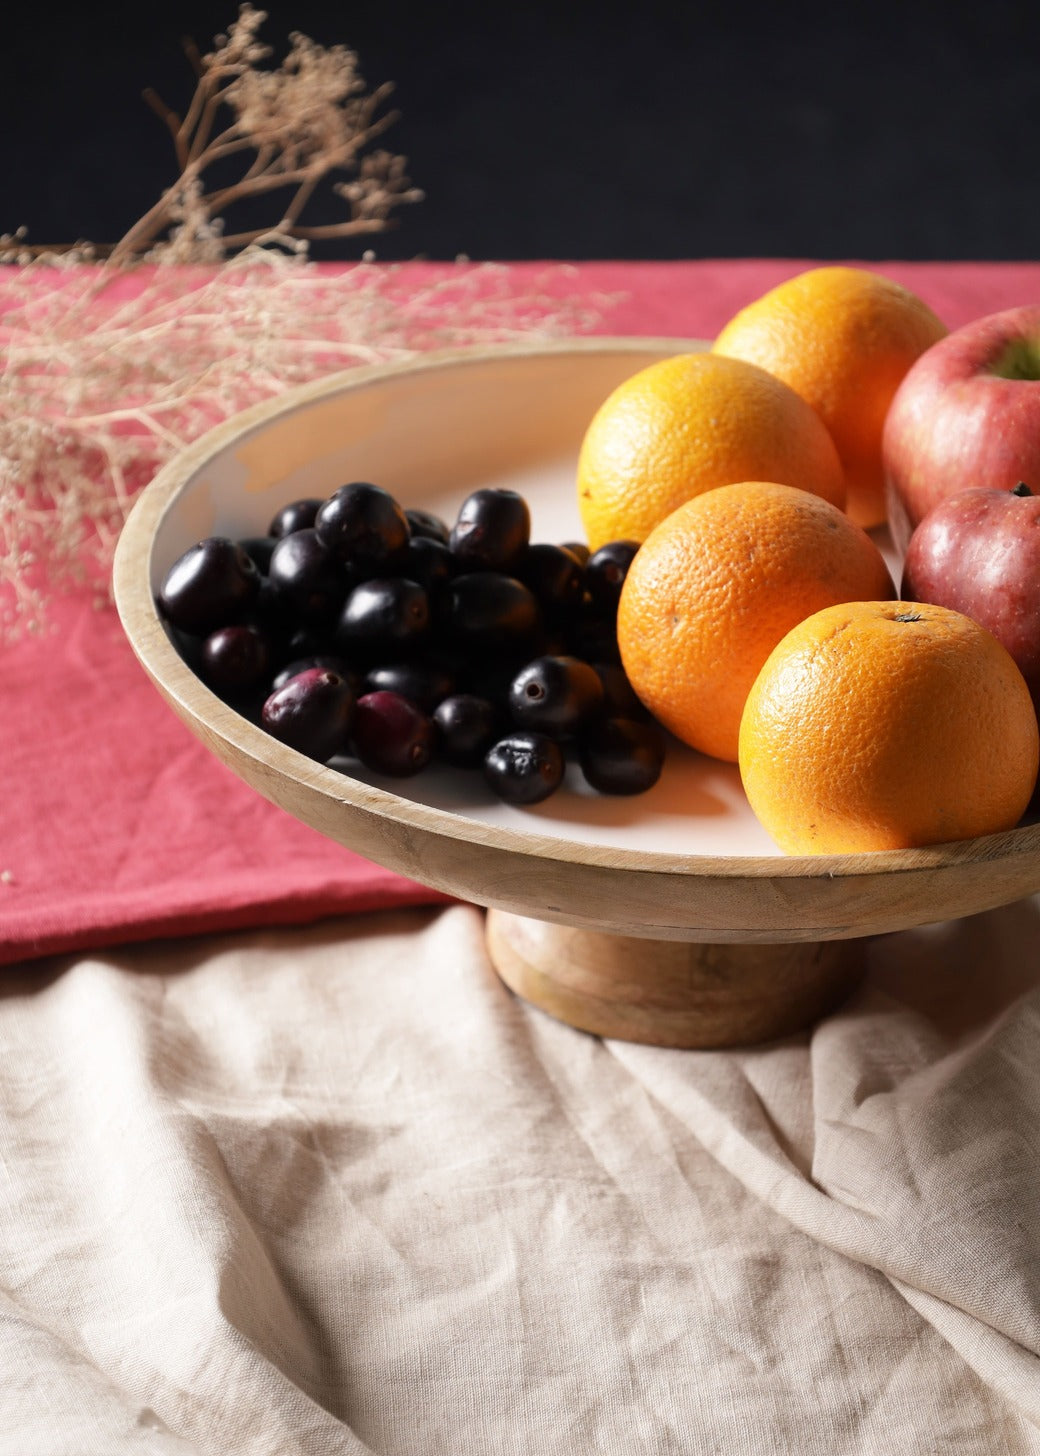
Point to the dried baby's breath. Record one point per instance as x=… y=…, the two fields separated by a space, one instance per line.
x=104 y=377
x=112 y=360
x=288 y=130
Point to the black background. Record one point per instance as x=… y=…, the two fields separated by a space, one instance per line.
x=655 y=130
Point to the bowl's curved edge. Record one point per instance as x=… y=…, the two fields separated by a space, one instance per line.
x=668 y=896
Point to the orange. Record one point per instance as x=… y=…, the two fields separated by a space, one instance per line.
x=886 y=725
x=716 y=585
x=843 y=338
x=687 y=424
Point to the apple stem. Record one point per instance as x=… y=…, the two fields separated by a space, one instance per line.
x=1021 y=489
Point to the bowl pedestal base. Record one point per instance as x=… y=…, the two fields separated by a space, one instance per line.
x=671 y=993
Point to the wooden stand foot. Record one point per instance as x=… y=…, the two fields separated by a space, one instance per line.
x=671 y=993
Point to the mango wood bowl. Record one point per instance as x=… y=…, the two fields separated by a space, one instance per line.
x=668 y=917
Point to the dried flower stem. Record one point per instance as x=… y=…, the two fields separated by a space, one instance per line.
x=97 y=390
x=108 y=369
x=298 y=124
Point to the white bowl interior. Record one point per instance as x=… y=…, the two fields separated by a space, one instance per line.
x=430 y=435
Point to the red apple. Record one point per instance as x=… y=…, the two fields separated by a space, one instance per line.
x=979 y=553
x=966 y=414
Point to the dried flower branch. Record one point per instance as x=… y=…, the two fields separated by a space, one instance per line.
x=293 y=126
x=105 y=376
x=107 y=369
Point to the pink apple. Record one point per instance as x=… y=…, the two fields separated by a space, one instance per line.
x=966 y=414
x=979 y=553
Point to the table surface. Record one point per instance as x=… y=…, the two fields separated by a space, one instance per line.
x=287 y=1169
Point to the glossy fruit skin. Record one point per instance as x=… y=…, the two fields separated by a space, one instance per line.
x=427 y=525
x=467 y=725
x=213 y=584
x=431 y=651
x=486 y=611
x=491 y=531
x=308 y=576
x=259 y=550
x=312 y=713
x=555 y=576
x=326 y=660
x=390 y=735
x=605 y=573
x=423 y=683
x=385 y=617
x=622 y=756
x=235 y=659
x=524 y=767
x=558 y=696
x=429 y=562
x=364 y=526
x=978 y=552
x=307 y=640
x=619 y=696
x=966 y=415
x=297 y=515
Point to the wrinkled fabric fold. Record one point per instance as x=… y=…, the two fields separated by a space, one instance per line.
x=904 y=1132
x=336 y=1190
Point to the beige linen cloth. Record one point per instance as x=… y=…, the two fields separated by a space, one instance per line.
x=338 y=1191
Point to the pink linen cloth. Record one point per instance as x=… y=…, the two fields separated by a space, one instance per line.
x=116 y=824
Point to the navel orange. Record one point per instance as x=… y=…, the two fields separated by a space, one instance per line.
x=887 y=725
x=843 y=338
x=687 y=424
x=718 y=583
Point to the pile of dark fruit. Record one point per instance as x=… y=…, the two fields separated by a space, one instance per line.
x=357 y=628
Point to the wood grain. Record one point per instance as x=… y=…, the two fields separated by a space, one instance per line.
x=669 y=994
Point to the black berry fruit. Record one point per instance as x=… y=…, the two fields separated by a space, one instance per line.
x=298 y=515
x=524 y=768
x=555 y=695
x=311 y=713
x=212 y=585
x=391 y=735
x=428 y=525
x=369 y=630
x=424 y=683
x=605 y=573
x=326 y=660
x=621 y=756
x=429 y=562
x=364 y=526
x=235 y=659
x=486 y=611
x=386 y=617
x=555 y=576
x=467 y=726
x=492 y=531
x=307 y=576
x=259 y=549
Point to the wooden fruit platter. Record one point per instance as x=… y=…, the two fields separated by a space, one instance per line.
x=666 y=918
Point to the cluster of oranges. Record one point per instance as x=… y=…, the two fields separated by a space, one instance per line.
x=759 y=619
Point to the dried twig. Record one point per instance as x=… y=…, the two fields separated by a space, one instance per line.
x=98 y=389
x=294 y=126
x=108 y=369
